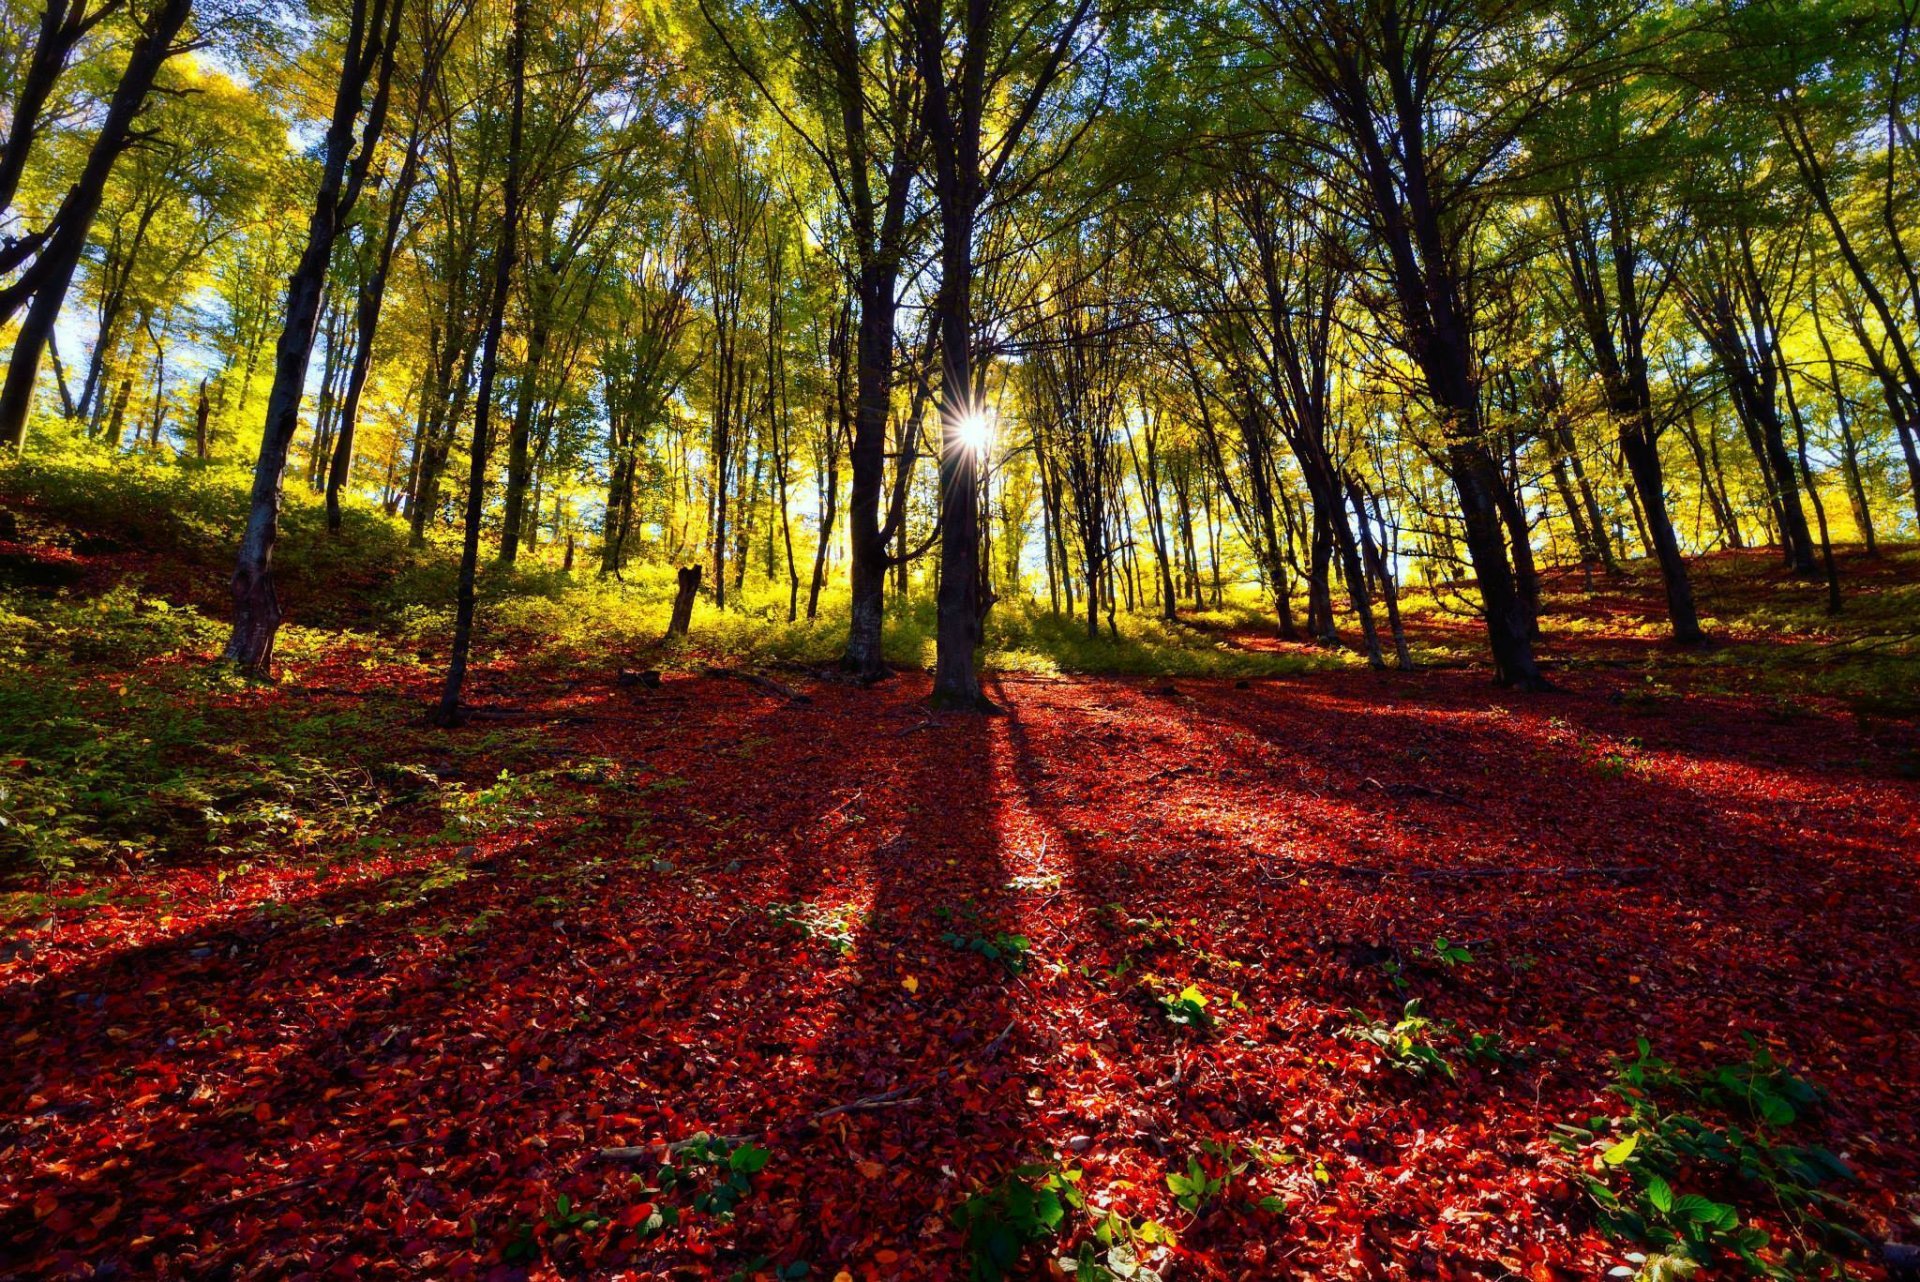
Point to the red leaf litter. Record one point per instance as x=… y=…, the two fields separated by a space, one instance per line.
x=397 y=1065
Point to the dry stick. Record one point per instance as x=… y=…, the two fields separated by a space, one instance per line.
x=896 y=1098
x=1395 y=789
x=1511 y=870
x=759 y=682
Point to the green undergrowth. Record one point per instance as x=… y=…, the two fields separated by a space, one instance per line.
x=121 y=746
x=368 y=578
x=1698 y=1157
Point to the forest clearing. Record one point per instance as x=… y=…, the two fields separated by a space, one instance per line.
x=960 y=639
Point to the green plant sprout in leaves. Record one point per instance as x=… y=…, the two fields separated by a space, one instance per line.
x=1010 y=950
x=1412 y=1043
x=1186 y=1009
x=1657 y=1175
x=833 y=927
x=706 y=1175
x=1029 y=1206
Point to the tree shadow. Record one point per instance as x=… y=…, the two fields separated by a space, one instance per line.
x=442 y=1052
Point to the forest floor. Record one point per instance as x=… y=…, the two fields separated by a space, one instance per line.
x=949 y=986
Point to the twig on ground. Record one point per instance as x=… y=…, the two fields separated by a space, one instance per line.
x=759 y=682
x=1420 y=789
x=896 y=1098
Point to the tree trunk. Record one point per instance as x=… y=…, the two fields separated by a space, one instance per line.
x=373 y=291
x=200 y=412
x=447 y=713
x=369 y=54
x=1834 y=603
x=688 y=588
x=1643 y=461
x=519 y=437
x=47 y=279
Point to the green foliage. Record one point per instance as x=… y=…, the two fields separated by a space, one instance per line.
x=1415 y=1043
x=1029 y=1206
x=565 y=1217
x=1009 y=950
x=971 y=935
x=1196 y=1186
x=706 y=1175
x=833 y=927
x=1118 y=1250
x=1445 y=954
x=1186 y=1009
x=149 y=758
x=1716 y=1130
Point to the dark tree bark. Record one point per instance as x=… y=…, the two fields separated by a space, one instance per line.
x=202 y=408
x=55 y=252
x=447 y=713
x=1378 y=68
x=63 y=25
x=963 y=174
x=1834 y=603
x=687 y=589
x=374 y=289
x=1383 y=574
x=832 y=435
x=373 y=31
x=1614 y=321
x=1849 y=444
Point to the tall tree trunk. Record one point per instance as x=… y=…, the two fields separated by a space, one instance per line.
x=48 y=277
x=1813 y=488
x=373 y=290
x=447 y=713
x=369 y=54
x=1389 y=590
x=1849 y=445
x=63 y=25
x=202 y=408
x=867 y=540
x=519 y=437
x=1642 y=453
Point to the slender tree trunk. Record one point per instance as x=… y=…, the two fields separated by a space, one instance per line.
x=1849 y=445
x=117 y=417
x=1834 y=603
x=447 y=713
x=373 y=292
x=50 y=274
x=63 y=25
x=202 y=408
x=1642 y=453
x=1384 y=574
x=369 y=54
x=519 y=438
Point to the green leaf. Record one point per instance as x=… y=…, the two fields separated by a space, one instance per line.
x=1622 y=1151
x=1660 y=1193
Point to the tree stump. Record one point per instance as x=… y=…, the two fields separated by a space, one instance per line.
x=683 y=601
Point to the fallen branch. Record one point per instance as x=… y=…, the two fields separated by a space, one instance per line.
x=896 y=1098
x=759 y=682
x=1623 y=871
x=1419 y=789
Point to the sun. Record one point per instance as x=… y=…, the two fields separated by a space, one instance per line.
x=974 y=430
